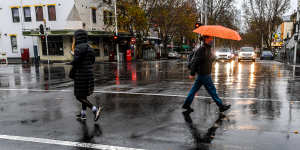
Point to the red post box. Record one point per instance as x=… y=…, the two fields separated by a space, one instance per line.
x=128 y=55
x=25 y=55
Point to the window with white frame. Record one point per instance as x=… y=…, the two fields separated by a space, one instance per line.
x=15 y=14
x=14 y=43
x=39 y=13
x=51 y=13
x=108 y=17
x=94 y=17
x=27 y=14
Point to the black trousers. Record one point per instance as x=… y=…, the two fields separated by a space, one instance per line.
x=85 y=102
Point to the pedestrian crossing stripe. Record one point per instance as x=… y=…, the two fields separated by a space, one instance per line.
x=64 y=143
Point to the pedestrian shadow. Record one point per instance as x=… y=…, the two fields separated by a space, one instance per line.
x=89 y=137
x=202 y=140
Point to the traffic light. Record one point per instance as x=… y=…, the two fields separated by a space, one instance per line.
x=43 y=37
x=116 y=37
x=197 y=25
x=42 y=31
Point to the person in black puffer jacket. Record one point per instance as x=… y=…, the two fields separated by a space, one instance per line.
x=83 y=65
x=202 y=65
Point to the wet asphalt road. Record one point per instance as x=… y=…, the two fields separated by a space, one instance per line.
x=142 y=107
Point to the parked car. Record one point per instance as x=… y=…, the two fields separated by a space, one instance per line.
x=224 y=54
x=173 y=55
x=266 y=55
x=247 y=53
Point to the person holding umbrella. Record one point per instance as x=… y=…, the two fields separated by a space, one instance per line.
x=202 y=65
x=83 y=74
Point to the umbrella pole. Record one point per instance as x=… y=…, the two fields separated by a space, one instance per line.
x=214 y=43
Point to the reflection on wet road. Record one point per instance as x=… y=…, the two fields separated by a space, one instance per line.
x=261 y=80
x=142 y=106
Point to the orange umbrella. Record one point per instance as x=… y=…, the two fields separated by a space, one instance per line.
x=218 y=31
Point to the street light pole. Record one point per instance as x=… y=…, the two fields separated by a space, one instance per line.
x=297 y=34
x=116 y=24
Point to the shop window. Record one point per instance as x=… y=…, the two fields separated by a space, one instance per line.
x=15 y=14
x=39 y=13
x=52 y=13
x=14 y=44
x=94 y=17
x=27 y=14
x=55 y=46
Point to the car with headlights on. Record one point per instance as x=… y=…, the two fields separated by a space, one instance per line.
x=247 y=53
x=224 y=54
x=173 y=55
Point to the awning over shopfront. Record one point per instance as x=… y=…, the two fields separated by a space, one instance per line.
x=71 y=33
x=185 y=46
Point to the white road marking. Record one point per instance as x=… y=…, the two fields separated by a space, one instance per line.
x=147 y=94
x=64 y=143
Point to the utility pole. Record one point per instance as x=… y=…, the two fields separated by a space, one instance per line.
x=205 y=11
x=296 y=34
x=201 y=12
x=116 y=24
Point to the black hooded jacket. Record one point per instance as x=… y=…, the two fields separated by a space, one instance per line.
x=83 y=63
x=202 y=62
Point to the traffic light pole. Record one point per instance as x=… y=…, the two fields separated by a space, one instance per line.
x=47 y=48
x=116 y=23
x=46 y=38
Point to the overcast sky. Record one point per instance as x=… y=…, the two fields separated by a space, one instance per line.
x=293 y=6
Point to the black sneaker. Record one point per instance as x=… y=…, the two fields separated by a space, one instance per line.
x=188 y=108
x=224 y=107
x=97 y=113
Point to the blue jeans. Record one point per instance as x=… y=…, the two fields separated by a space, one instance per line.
x=209 y=86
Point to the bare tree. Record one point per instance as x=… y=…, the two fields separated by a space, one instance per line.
x=175 y=19
x=264 y=16
x=221 y=12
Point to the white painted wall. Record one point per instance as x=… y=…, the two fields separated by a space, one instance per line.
x=288 y=28
x=63 y=9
